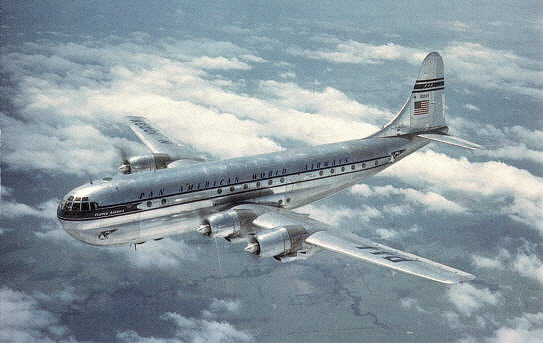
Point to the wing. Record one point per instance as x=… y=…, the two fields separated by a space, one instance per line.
x=380 y=254
x=318 y=234
x=159 y=143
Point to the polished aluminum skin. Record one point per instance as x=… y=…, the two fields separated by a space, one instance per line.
x=175 y=189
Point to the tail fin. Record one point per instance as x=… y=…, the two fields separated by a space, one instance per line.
x=424 y=110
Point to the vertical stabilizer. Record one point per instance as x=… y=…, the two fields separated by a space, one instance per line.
x=424 y=110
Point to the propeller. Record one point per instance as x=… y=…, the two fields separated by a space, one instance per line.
x=125 y=164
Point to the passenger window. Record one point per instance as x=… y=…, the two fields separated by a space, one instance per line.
x=219 y=191
x=320 y=173
x=245 y=186
x=332 y=171
x=258 y=184
x=342 y=169
x=352 y=166
x=282 y=179
x=232 y=188
x=270 y=182
x=149 y=204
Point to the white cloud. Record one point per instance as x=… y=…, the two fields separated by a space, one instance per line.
x=485 y=262
x=431 y=201
x=287 y=75
x=67 y=91
x=494 y=182
x=525 y=261
x=164 y=254
x=510 y=143
x=495 y=69
x=515 y=152
x=23 y=320
x=528 y=329
x=456 y=25
x=11 y=209
x=410 y=303
x=222 y=306
x=356 y=52
x=225 y=305
x=198 y=330
x=452 y=318
x=529 y=265
x=468 y=298
x=220 y=62
x=471 y=107
x=65 y=296
x=335 y=215
x=386 y=233
x=470 y=62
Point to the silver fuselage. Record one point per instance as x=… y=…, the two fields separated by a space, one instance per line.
x=137 y=207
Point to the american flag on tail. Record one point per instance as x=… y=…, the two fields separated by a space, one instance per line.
x=421 y=107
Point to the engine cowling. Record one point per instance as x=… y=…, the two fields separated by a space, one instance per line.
x=279 y=241
x=145 y=163
x=227 y=224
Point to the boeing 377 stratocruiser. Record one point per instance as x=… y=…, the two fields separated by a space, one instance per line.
x=175 y=190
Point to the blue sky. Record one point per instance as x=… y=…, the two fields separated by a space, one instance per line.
x=240 y=78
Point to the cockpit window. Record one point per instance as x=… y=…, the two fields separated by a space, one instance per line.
x=79 y=205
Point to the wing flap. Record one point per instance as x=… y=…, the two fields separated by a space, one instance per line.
x=160 y=143
x=380 y=254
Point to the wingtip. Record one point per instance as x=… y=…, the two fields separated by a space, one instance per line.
x=462 y=277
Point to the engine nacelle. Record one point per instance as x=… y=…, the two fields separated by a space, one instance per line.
x=145 y=163
x=279 y=241
x=227 y=224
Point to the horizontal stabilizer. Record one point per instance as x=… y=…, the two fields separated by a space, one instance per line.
x=380 y=254
x=451 y=140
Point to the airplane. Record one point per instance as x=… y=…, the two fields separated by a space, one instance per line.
x=175 y=189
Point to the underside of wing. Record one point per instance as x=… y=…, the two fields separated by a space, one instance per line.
x=388 y=257
x=159 y=143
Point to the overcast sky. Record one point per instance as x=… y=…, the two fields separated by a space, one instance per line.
x=239 y=78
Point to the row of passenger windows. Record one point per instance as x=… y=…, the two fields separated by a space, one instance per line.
x=282 y=180
x=258 y=184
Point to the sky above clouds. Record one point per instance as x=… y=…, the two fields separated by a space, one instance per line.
x=242 y=78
